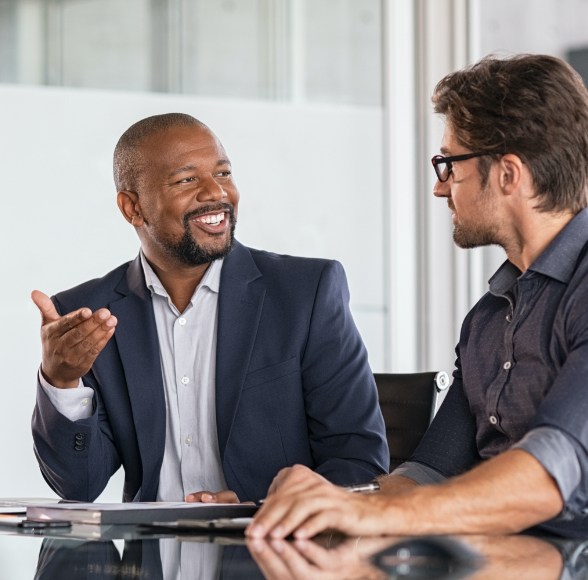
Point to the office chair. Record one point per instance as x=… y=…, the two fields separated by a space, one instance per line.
x=408 y=403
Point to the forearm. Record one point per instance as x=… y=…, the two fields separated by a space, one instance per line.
x=505 y=494
x=395 y=484
x=76 y=458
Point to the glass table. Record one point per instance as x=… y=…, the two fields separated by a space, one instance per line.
x=126 y=552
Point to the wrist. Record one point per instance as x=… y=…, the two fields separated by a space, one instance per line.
x=58 y=383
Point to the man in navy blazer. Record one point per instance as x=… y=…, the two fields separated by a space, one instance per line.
x=291 y=381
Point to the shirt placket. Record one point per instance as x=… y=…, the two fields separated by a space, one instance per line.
x=506 y=363
x=517 y=311
x=184 y=373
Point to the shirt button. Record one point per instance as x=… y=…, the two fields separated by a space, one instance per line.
x=506 y=365
x=182 y=321
x=185 y=380
x=493 y=420
x=188 y=440
x=85 y=402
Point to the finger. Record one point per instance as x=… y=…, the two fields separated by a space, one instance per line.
x=45 y=306
x=64 y=361
x=58 y=328
x=224 y=496
x=319 y=556
x=301 y=517
x=292 y=495
x=91 y=346
x=278 y=480
x=78 y=330
x=227 y=496
x=314 y=524
x=295 y=561
x=269 y=561
x=268 y=516
x=201 y=496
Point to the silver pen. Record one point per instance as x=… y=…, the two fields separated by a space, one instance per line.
x=368 y=487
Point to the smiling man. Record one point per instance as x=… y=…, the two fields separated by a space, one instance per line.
x=508 y=449
x=202 y=366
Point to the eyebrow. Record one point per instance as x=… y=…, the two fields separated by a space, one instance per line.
x=445 y=151
x=191 y=167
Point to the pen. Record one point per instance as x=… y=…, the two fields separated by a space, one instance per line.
x=370 y=486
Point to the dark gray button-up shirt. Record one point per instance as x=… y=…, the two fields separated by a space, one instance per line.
x=521 y=377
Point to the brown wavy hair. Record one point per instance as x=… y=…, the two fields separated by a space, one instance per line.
x=534 y=106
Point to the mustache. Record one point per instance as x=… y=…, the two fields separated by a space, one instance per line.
x=450 y=205
x=210 y=209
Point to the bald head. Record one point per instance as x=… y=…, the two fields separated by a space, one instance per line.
x=128 y=162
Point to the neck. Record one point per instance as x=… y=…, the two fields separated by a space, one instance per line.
x=180 y=282
x=531 y=236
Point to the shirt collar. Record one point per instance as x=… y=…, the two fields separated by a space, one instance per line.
x=557 y=261
x=210 y=280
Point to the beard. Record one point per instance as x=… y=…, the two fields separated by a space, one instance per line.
x=484 y=231
x=474 y=235
x=187 y=250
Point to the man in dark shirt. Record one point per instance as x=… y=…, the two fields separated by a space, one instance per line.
x=509 y=447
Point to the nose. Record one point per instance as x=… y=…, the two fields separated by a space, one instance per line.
x=210 y=190
x=441 y=189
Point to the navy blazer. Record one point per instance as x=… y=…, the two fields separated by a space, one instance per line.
x=293 y=384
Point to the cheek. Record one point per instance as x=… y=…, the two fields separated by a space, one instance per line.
x=234 y=200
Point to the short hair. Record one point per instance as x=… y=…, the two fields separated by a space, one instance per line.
x=535 y=106
x=128 y=162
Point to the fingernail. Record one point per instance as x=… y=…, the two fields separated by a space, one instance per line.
x=255 y=531
x=208 y=498
x=301 y=534
x=278 y=532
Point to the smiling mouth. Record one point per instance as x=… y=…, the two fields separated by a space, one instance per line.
x=211 y=219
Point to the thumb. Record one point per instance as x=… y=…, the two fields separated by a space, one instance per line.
x=45 y=306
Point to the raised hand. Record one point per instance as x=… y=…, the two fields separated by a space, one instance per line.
x=71 y=343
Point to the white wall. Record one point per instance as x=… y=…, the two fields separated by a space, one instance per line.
x=307 y=188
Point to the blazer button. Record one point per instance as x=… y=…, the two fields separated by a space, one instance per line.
x=78 y=447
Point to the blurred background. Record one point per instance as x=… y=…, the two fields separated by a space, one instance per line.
x=323 y=107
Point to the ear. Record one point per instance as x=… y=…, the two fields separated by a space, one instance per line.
x=511 y=170
x=128 y=203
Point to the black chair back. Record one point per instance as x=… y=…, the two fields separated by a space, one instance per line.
x=408 y=405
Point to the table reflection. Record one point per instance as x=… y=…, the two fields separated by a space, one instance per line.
x=327 y=557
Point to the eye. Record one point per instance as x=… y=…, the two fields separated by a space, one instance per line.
x=226 y=173
x=187 y=180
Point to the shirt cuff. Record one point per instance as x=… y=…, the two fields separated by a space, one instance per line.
x=553 y=449
x=74 y=404
x=419 y=473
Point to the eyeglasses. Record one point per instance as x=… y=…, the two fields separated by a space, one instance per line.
x=443 y=166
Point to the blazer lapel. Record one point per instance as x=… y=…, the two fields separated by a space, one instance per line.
x=136 y=339
x=239 y=309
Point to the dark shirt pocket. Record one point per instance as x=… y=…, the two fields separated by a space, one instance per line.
x=271 y=373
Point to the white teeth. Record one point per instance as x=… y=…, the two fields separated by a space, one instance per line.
x=212 y=219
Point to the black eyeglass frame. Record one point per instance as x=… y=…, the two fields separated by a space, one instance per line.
x=438 y=159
